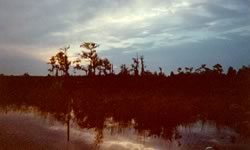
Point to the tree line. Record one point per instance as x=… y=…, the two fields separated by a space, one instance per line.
x=60 y=62
x=91 y=64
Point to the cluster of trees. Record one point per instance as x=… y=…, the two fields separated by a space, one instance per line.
x=203 y=69
x=102 y=65
x=91 y=64
x=137 y=68
x=96 y=65
x=60 y=63
x=216 y=70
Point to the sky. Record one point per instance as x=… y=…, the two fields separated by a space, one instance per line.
x=168 y=33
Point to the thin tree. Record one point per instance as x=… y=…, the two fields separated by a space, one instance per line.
x=135 y=65
x=142 y=65
x=91 y=56
x=65 y=63
x=52 y=62
x=161 y=73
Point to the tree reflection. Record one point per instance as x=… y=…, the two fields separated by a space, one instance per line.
x=153 y=105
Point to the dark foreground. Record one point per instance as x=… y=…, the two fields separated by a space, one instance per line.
x=152 y=106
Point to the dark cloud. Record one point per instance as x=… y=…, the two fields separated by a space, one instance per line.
x=210 y=52
x=123 y=28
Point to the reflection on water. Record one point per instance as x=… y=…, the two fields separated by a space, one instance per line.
x=28 y=128
x=184 y=112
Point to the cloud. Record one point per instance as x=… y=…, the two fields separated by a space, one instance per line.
x=37 y=29
x=16 y=62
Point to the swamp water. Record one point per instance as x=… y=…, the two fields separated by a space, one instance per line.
x=32 y=129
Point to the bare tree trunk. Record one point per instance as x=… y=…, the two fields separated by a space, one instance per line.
x=68 y=119
x=68 y=128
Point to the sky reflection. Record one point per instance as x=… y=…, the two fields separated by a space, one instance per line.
x=33 y=130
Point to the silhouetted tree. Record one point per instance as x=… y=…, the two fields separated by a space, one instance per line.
x=95 y=63
x=188 y=70
x=60 y=62
x=79 y=66
x=231 y=72
x=52 y=62
x=203 y=69
x=172 y=74
x=244 y=71
x=124 y=70
x=62 y=59
x=217 y=69
x=66 y=63
x=91 y=56
x=105 y=66
x=161 y=73
x=148 y=73
x=142 y=65
x=179 y=70
x=26 y=74
x=135 y=66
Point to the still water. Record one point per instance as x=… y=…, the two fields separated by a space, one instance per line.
x=32 y=129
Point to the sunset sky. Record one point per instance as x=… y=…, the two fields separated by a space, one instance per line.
x=169 y=33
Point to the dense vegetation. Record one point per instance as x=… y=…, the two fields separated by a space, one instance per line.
x=158 y=103
x=154 y=102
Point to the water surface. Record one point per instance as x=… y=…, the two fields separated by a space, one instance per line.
x=31 y=129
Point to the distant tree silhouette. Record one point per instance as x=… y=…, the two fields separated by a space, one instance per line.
x=148 y=73
x=135 y=66
x=105 y=67
x=142 y=65
x=60 y=62
x=95 y=62
x=124 y=70
x=138 y=63
x=217 y=69
x=167 y=101
x=79 y=66
x=188 y=70
x=161 y=73
x=231 y=72
x=91 y=56
x=180 y=71
x=244 y=71
x=26 y=74
x=52 y=62
x=102 y=66
x=203 y=69
x=63 y=61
